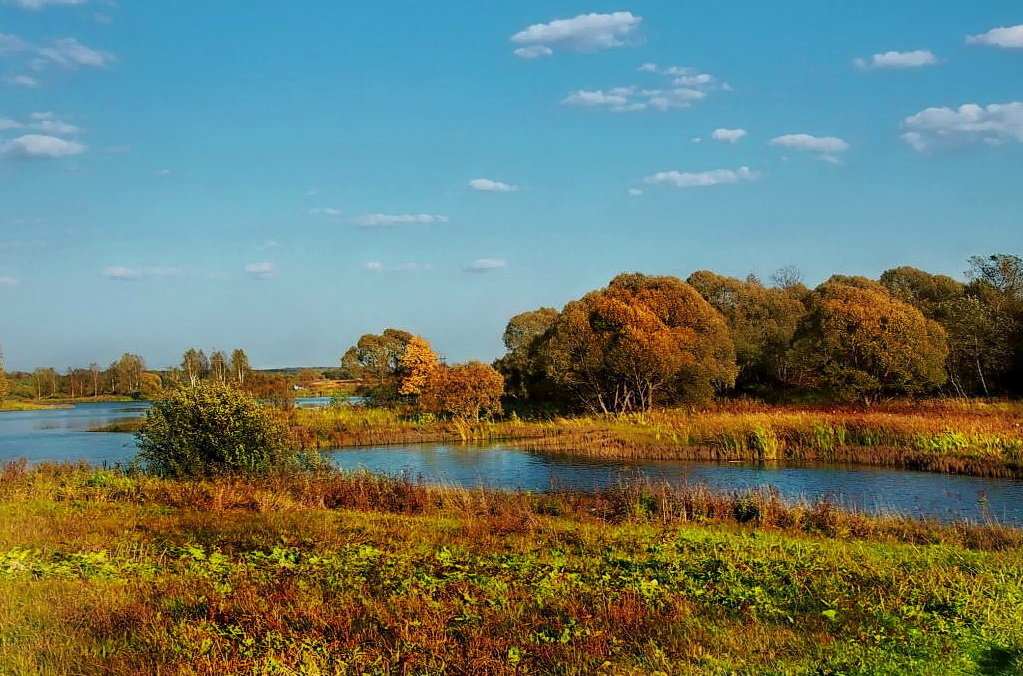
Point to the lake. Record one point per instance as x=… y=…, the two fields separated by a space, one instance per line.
x=63 y=434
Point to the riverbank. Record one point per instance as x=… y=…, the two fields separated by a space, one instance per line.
x=30 y=406
x=340 y=573
x=960 y=437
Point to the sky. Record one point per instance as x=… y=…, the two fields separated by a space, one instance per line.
x=284 y=177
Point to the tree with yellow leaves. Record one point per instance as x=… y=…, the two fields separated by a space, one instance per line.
x=418 y=362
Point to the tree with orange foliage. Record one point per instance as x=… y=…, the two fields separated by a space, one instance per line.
x=858 y=341
x=466 y=391
x=418 y=362
x=642 y=340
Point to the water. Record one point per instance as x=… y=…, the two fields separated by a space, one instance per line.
x=64 y=435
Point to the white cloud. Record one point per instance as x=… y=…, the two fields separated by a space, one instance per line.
x=970 y=124
x=264 y=270
x=6 y=124
x=702 y=179
x=584 y=33
x=388 y=220
x=1009 y=37
x=377 y=266
x=125 y=274
x=325 y=211
x=827 y=147
x=39 y=4
x=898 y=60
x=635 y=192
x=25 y=81
x=71 y=54
x=487 y=265
x=682 y=88
x=39 y=147
x=728 y=135
x=49 y=123
x=533 y=52
x=488 y=185
x=9 y=281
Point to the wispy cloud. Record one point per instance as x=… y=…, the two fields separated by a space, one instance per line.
x=481 y=265
x=377 y=266
x=39 y=147
x=390 y=220
x=681 y=87
x=9 y=281
x=584 y=33
x=260 y=271
x=489 y=185
x=40 y=4
x=63 y=53
x=1007 y=37
x=24 y=81
x=970 y=124
x=325 y=211
x=702 y=179
x=122 y=273
x=897 y=60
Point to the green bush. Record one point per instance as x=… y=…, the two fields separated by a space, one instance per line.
x=208 y=430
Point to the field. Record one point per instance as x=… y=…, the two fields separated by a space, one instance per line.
x=331 y=573
x=955 y=436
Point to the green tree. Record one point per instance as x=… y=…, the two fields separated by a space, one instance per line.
x=640 y=341
x=857 y=341
x=762 y=320
x=128 y=372
x=924 y=291
x=519 y=365
x=195 y=366
x=376 y=360
x=219 y=370
x=208 y=430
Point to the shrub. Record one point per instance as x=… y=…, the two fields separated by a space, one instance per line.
x=210 y=429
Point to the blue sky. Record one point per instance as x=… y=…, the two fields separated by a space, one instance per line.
x=284 y=177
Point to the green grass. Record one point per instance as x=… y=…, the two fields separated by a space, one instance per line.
x=10 y=405
x=102 y=573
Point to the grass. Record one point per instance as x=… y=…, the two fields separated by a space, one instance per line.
x=954 y=436
x=16 y=405
x=333 y=573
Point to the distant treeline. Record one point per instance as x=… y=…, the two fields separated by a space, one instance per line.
x=658 y=340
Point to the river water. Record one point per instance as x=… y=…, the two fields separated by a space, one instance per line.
x=64 y=435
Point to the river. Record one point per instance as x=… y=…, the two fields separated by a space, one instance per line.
x=63 y=434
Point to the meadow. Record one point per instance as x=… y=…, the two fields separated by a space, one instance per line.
x=334 y=573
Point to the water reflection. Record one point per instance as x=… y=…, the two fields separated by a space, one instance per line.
x=64 y=435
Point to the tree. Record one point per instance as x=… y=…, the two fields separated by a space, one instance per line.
x=128 y=372
x=240 y=368
x=219 y=369
x=859 y=342
x=376 y=357
x=466 y=391
x=418 y=362
x=924 y=291
x=981 y=345
x=307 y=377
x=45 y=381
x=639 y=341
x=208 y=430
x=519 y=364
x=1001 y=273
x=762 y=320
x=5 y=387
x=151 y=386
x=195 y=366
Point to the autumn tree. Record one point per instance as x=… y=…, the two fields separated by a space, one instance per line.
x=128 y=372
x=640 y=341
x=151 y=386
x=307 y=377
x=240 y=368
x=195 y=366
x=762 y=321
x=418 y=362
x=376 y=360
x=219 y=369
x=519 y=365
x=857 y=341
x=466 y=391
